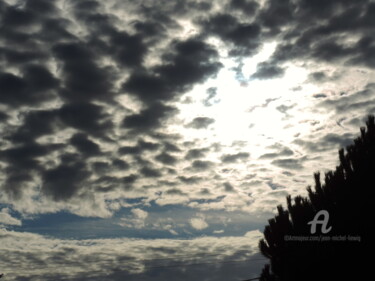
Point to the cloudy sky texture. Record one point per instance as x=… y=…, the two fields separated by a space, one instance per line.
x=152 y=140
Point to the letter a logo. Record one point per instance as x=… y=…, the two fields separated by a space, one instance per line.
x=323 y=222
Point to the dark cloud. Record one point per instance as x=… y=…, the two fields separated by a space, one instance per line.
x=285 y=152
x=168 y=146
x=3 y=116
x=39 y=78
x=83 y=79
x=149 y=172
x=232 y=158
x=139 y=148
x=35 y=124
x=17 y=17
x=201 y=123
x=196 y=153
x=24 y=157
x=147 y=87
x=128 y=50
x=150 y=118
x=267 y=70
x=249 y=7
x=120 y=164
x=308 y=37
x=145 y=145
x=13 y=56
x=201 y=165
x=166 y=158
x=362 y=100
x=87 y=117
x=22 y=162
x=101 y=167
x=319 y=96
x=65 y=181
x=276 y=14
x=31 y=89
x=128 y=180
x=228 y=187
x=190 y=180
x=40 y=6
x=129 y=150
x=318 y=76
x=191 y=61
x=288 y=163
x=244 y=37
x=87 y=147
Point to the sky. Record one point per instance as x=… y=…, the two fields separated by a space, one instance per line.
x=152 y=140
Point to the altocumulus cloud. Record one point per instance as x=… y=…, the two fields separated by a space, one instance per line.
x=89 y=74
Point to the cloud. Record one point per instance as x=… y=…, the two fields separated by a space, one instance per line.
x=25 y=257
x=228 y=187
x=150 y=172
x=30 y=89
x=84 y=145
x=64 y=181
x=327 y=142
x=149 y=118
x=282 y=152
x=137 y=219
x=201 y=165
x=166 y=158
x=87 y=117
x=191 y=61
x=196 y=153
x=22 y=162
x=201 y=123
x=246 y=6
x=7 y=219
x=288 y=163
x=190 y=180
x=210 y=99
x=266 y=70
x=232 y=158
x=244 y=37
x=198 y=223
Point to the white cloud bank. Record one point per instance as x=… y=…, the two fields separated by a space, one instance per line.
x=27 y=256
x=7 y=219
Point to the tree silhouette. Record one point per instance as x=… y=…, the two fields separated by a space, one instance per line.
x=347 y=195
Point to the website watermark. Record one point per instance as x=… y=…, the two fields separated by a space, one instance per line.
x=323 y=238
x=323 y=222
x=322 y=218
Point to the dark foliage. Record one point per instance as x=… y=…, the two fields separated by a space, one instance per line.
x=346 y=195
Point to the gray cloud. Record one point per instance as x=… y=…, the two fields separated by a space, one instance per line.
x=201 y=123
x=232 y=158
x=166 y=158
x=196 y=153
x=245 y=37
x=162 y=260
x=266 y=70
x=201 y=165
x=288 y=163
x=64 y=181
